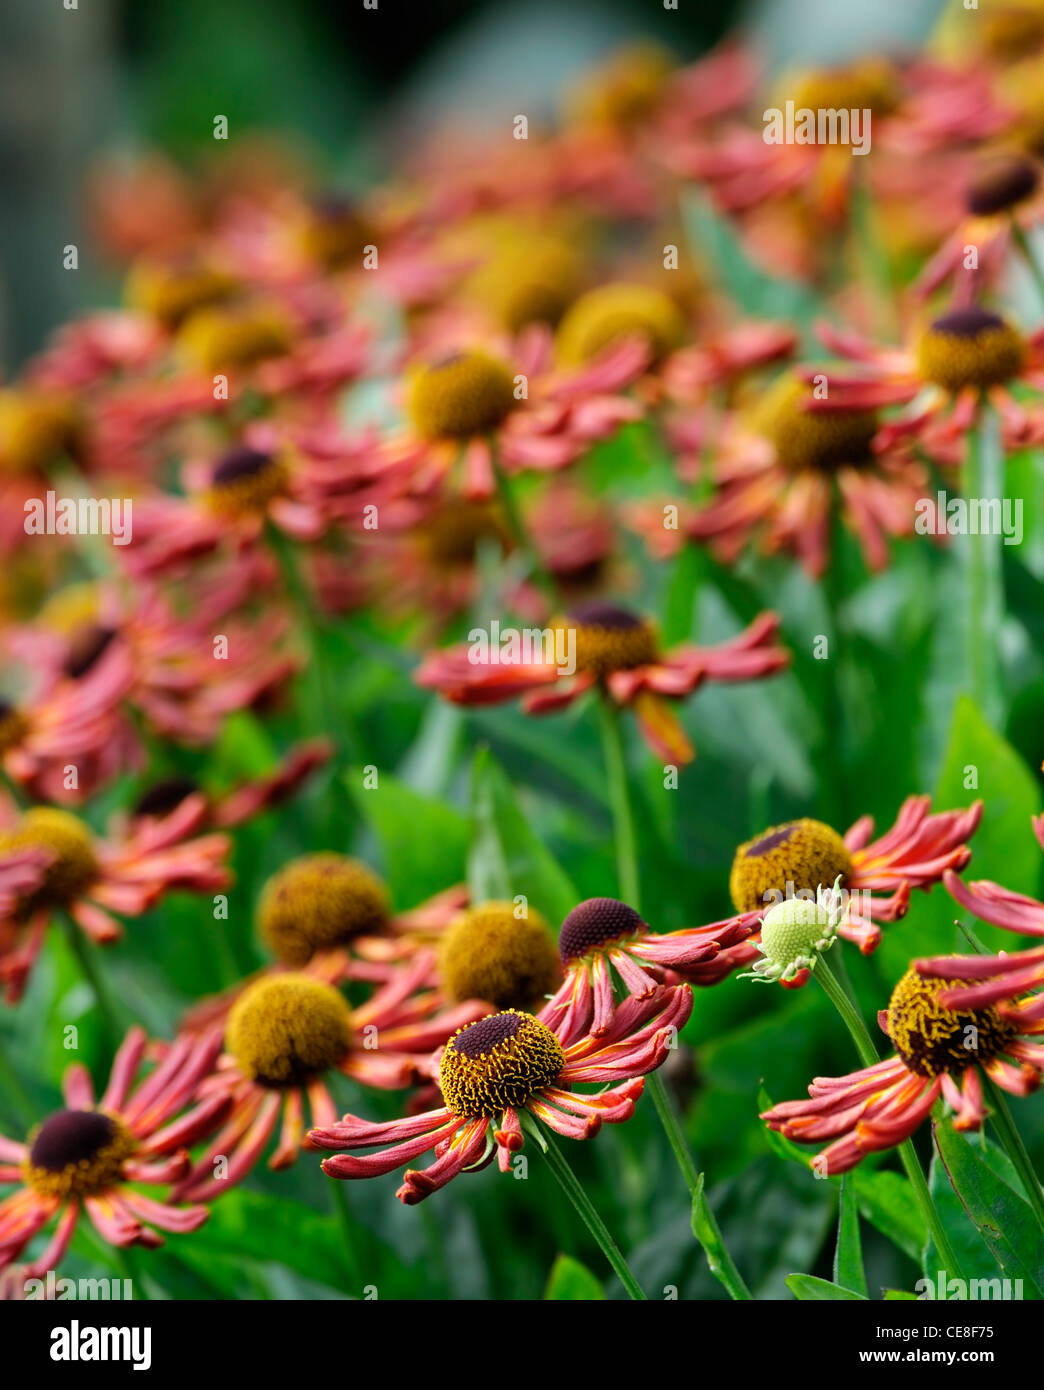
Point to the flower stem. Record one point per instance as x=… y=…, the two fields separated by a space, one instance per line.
x=323 y=712
x=589 y=1216
x=348 y=1234
x=704 y=1224
x=1029 y=256
x=127 y=1259
x=846 y=1006
x=626 y=845
x=708 y=1233
x=83 y=950
x=983 y=562
x=1014 y=1147
x=21 y=1108
x=519 y=530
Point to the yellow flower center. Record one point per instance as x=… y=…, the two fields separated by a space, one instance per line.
x=602 y=316
x=489 y=953
x=530 y=280
x=498 y=1062
x=34 y=430
x=867 y=86
x=799 y=856
x=13 y=726
x=317 y=902
x=286 y=1029
x=609 y=638
x=74 y=867
x=1009 y=32
x=77 y=605
x=245 y=481
x=334 y=233
x=624 y=89
x=452 y=536
x=806 y=439
x=217 y=339
x=77 y=1153
x=464 y=394
x=970 y=347
x=932 y=1039
x=171 y=290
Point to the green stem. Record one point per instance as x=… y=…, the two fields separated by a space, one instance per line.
x=21 y=1109
x=1029 y=256
x=847 y=1008
x=84 y=951
x=625 y=842
x=834 y=724
x=719 y=1261
x=589 y=1216
x=319 y=710
x=130 y=1268
x=346 y=1227
x=983 y=566
x=323 y=712
x=709 y=1234
x=519 y=530
x=1014 y=1147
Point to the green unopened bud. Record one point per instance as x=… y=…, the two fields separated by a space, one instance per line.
x=794 y=932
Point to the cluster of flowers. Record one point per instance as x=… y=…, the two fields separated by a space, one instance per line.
x=470 y=1005
x=319 y=403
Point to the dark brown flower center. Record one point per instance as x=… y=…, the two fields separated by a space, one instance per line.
x=166 y=796
x=594 y=923
x=70 y=1136
x=240 y=462
x=1002 y=186
x=482 y=1037
x=77 y=1153
x=86 y=647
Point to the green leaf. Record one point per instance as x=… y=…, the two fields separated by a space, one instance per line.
x=887 y=1202
x=808 y=1288
x=243 y=747
x=848 y=1256
x=1003 y=1219
x=572 y=1282
x=505 y=857
x=758 y=294
x=423 y=841
x=246 y=1225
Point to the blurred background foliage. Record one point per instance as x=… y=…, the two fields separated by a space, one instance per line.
x=330 y=78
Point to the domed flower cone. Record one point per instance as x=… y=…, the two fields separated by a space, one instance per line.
x=500 y=1066
x=287 y=1029
x=928 y=1021
x=804 y=855
x=94 y=1155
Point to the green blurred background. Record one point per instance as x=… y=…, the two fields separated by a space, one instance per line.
x=120 y=75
